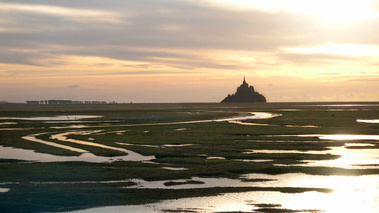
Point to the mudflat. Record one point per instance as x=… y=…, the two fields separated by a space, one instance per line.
x=86 y=156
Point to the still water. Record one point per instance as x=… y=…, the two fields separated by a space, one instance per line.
x=350 y=194
x=52 y=118
x=30 y=155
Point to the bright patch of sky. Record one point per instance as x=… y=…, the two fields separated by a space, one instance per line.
x=336 y=10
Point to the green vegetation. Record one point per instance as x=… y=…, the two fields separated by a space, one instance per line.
x=208 y=149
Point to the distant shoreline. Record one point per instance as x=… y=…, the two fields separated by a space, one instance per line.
x=130 y=103
x=176 y=106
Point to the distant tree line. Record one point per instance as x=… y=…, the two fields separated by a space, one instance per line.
x=68 y=102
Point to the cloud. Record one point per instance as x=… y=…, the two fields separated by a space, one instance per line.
x=335 y=11
x=339 y=49
x=73 y=14
x=95 y=38
x=73 y=86
x=176 y=34
x=156 y=30
x=315 y=59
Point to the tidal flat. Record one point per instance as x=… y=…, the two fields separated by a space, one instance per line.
x=192 y=157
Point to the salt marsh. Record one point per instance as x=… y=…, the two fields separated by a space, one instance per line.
x=191 y=157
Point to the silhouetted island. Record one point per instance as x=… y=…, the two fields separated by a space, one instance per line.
x=244 y=94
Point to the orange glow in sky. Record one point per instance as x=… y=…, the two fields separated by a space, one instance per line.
x=189 y=51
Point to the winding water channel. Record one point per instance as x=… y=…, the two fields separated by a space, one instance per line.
x=20 y=154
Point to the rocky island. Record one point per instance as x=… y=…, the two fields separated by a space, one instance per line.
x=245 y=93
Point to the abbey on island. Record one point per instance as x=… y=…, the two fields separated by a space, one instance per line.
x=245 y=93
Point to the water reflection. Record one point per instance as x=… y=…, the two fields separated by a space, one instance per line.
x=302 y=126
x=373 y=121
x=72 y=127
x=176 y=145
x=53 y=118
x=274 y=151
x=14 y=129
x=206 y=183
x=30 y=155
x=350 y=158
x=174 y=168
x=7 y=123
x=21 y=154
x=63 y=137
x=341 y=105
x=343 y=137
x=248 y=123
x=348 y=145
x=203 y=205
x=346 y=189
x=4 y=190
x=352 y=194
x=181 y=129
x=34 y=139
x=216 y=158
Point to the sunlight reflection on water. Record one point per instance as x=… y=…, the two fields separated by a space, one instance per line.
x=7 y=123
x=333 y=136
x=343 y=137
x=353 y=155
x=374 y=121
x=30 y=155
x=350 y=158
x=4 y=190
x=352 y=194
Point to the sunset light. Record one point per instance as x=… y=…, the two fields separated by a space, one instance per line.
x=290 y=50
x=340 y=49
x=337 y=10
x=189 y=106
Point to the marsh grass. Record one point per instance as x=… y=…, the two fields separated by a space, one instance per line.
x=232 y=147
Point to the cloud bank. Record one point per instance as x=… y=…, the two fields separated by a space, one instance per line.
x=208 y=45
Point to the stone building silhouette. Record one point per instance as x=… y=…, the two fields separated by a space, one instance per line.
x=245 y=93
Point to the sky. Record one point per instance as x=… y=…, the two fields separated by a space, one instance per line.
x=189 y=51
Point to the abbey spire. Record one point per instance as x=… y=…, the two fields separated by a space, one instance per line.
x=244 y=84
